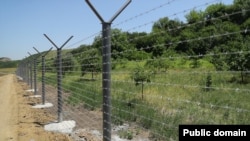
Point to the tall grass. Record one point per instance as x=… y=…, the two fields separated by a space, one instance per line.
x=179 y=96
x=173 y=97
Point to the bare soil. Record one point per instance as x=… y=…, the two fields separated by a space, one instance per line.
x=18 y=120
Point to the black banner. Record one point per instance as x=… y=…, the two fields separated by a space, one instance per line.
x=214 y=132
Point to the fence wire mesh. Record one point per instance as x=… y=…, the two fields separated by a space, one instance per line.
x=194 y=72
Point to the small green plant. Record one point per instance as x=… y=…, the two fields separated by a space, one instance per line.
x=126 y=134
x=140 y=76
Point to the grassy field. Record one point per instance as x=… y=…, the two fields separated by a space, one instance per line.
x=178 y=95
x=4 y=71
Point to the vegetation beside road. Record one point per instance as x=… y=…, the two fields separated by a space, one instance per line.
x=180 y=73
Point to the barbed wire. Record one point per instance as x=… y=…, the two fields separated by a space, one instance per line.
x=171 y=96
x=187 y=40
x=69 y=111
x=142 y=14
x=171 y=85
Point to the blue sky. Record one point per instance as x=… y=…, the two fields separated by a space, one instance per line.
x=23 y=22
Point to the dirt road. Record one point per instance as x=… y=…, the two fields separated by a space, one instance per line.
x=8 y=108
x=18 y=121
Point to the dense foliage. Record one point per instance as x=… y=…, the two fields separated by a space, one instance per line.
x=183 y=38
x=208 y=34
x=8 y=64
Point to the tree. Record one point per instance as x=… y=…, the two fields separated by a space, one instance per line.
x=215 y=13
x=140 y=76
x=185 y=44
x=240 y=5
x=120 y=47
x=134 y=39
x=50 y=65
x=240 y=62
x=90 y=61
x=98 y=43
x=68 y=63
x=219 y=58
x=165 y=26
x=146 y=43
x=82 y=48
x=240 y=59
x=8 y=64
x=194 y=17
x=233 y=56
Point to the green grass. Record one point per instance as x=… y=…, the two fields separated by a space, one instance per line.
x=4 y=71
x=173 y=97
x=86 y=91
x=178 y=97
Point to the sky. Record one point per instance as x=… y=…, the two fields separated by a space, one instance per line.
x=23 y=22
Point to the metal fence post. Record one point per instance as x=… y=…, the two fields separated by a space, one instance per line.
x=27 y=71
x=35 y=86
x=59 y=80
x=59 y=77
x=35 y=67
x=20 y=70
x=106 y=83
x=30 y=71
x=43 y=79
x=106 y=66
x=24 y=71
x=43 y=73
